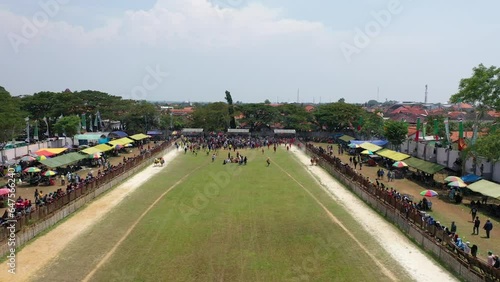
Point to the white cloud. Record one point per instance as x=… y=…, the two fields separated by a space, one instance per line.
x=179 y=23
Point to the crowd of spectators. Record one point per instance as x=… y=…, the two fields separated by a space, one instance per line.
x=412 y=210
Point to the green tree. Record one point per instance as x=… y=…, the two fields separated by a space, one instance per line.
x=341 y=100
x=482 y=90
x=395 y=132
x=337 y=116
x=267 y=102
x=211 y=117
x=11 y=117
x=373 y=125
x=229 y=100
x=295 y=116
x=258 y=114
x=372 y=103
x=67 y=126
x=141 y=117
x=487 y=146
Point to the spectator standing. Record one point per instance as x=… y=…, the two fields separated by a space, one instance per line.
x=488 y=226
x=473 y=212
x=477 y=223
x=453 y=227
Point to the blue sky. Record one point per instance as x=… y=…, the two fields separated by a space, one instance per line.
x=193 y=50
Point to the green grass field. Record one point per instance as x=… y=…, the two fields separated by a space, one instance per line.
x=226 y=223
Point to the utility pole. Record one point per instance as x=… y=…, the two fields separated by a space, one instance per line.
x=27 y=119
x=378 y=92
x=298 y=100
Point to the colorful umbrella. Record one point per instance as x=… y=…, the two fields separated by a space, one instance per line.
x=457 y=184
x=118 y=147
x=95 y=156
x=367 y=152
x=32 y=169
x=4 y=191
x=399 y=164
x=28 y=159
x=353 y=146
x=49 y=173
x=429 y=193
x=452 y=178
x=41 y=158
x=129 y=145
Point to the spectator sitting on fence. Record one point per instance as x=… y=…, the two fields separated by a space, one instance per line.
x=490 y=259
x=467 y=249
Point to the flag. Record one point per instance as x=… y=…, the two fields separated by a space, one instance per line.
x=424 y=129
x=101 y=124
x=360 y=122
x=474 y=135
x=35 y=131
x=447 y=130
x=91 y=127
x=436 y=129
x=47 y=124
x=418 y=129
x=461 y=141
x=96 y=125
x=84 y=121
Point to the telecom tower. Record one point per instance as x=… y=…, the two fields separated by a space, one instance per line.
x=425 y=101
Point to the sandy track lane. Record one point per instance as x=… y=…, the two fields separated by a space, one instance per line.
x=409 y=256
x=36 y=255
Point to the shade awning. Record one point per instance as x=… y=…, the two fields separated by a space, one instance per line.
x=471 y=178
x=285 y=131
x=90 y=151
x=54 y=151
x=487 y=188
x=425 y=166
x=121 y=141
x=154 y=132
x=139 y=136
x=89 y=136
x=63 y=160
x=238 y=130
x=393 y=155
x=370 y=147
x=120 y=134
x=346 y=138
x=192 y=130
x=103 y=147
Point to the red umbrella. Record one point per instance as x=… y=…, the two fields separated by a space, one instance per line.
x=4 y=191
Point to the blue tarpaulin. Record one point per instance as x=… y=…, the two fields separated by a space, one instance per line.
x=154 y=132
x=103 y=140
x=470 y=178
x=380 y=143
x=117 y=134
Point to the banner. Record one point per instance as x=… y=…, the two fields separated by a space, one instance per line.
x=35 y=131
x=461 y=141
x=447 y=130
x=46 y=124
x=436 y=129
x=417 y=135
x=424 y=129
x=84 y=121
x=474 y=134
x=96 y=124
x=360 y=122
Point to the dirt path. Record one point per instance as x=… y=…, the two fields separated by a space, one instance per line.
x=416 y=263
x=36 y=255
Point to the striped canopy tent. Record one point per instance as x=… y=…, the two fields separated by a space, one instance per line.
x=285 y=131
x=192 y=131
